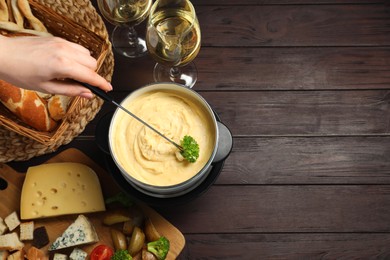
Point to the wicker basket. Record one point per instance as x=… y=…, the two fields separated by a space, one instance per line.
x=76 y=21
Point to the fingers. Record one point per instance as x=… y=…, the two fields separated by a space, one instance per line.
x=78 y=71
x=67 y=88
x=45 y=59
x=75 y=62
x=67 y=44
x=82 y=55
x=73 y=52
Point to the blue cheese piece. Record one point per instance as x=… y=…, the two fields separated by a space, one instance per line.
x=58 y=256
x=80 y=232
x=78 y=254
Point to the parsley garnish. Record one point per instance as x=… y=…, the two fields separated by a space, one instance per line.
x=190 y=148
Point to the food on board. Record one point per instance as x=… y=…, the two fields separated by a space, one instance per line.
x=132 y=231
x=56 y=189
x=40 y=237
x=10 y=242
x=27 y=106
x=27 y=230
x=78 y=254
x=12 y=221
x=80 y=232
x=149 y=159
x=38 y=111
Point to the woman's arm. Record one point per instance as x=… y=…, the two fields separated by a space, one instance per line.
x=41 y=64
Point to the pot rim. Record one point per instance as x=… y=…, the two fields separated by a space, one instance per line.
x=194 y=179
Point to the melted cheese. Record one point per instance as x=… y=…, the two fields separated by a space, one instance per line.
x=148 y=157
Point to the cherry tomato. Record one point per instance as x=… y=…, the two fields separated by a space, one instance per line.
x=102 y=252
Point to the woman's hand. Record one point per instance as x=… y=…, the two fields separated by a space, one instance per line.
x=46 y=64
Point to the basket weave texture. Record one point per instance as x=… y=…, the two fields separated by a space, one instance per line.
x=77 y=21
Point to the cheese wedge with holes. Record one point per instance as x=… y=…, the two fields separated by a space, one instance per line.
x=56 y=189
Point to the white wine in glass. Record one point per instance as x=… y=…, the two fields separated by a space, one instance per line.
x=125 y=14
x=173 y=40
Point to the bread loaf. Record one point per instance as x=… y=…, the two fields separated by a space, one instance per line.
x=27 y=105
x=58 y=105
x=4 y=16
x=16 y=16
x=25 y=9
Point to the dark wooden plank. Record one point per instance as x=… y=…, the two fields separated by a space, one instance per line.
x=285 y=209
x=275 y=2
x=292 y=68
x=130 y=74
x=295 y=25
x=255 y=69
x=287 y=160
x=291 y=24
x=286 y=246
x=85 y=144
x=331 y=160
x=283 y=2
x=295 y=160
x=278 y=208
x=296 y=113
x=303 y=112
x=308 y=176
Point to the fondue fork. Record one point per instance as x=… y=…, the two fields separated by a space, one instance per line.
x=103 y=95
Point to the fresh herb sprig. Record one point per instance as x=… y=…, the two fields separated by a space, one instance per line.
x=190 y=150
x=120 y=198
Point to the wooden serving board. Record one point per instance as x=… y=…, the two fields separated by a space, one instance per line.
x=10 y=201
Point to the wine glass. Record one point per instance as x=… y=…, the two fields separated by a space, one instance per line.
x=173 y=40
x=125 y=14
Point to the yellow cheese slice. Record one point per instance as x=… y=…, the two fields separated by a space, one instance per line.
x=59 y=189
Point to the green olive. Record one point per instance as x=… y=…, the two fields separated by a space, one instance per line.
x=137 y=241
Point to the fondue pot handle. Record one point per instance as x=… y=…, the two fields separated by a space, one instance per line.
x=225 y=143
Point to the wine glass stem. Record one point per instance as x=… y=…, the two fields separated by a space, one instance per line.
x=174 y=72
x=133 y=37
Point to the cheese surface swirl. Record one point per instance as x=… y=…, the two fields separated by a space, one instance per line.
x=148 y=157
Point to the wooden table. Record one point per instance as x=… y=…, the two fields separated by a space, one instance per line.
x=304 y=87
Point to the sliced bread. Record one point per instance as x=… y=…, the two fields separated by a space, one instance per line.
x=3 y=227
x=11 y=242
x=12 y=221
x=27 y=230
